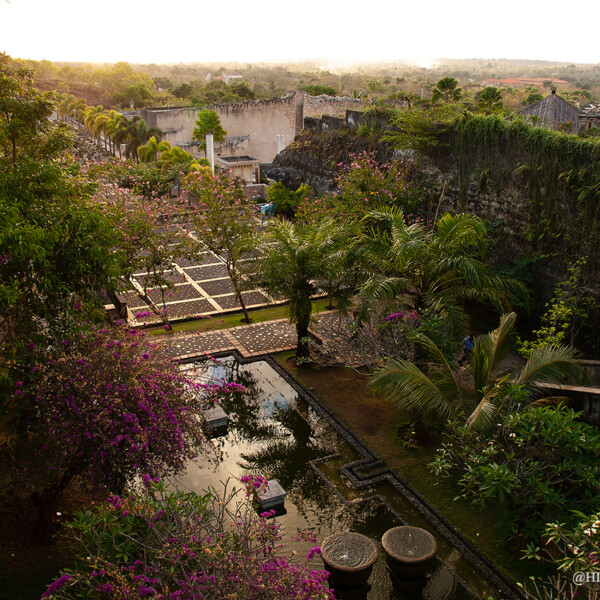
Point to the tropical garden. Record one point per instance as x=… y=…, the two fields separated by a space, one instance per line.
x=92 y=413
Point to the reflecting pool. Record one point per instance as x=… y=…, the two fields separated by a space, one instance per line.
x=275 y=432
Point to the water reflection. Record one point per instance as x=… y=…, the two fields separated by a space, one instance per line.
x=275 y=433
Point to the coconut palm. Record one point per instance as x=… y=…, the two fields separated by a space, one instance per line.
x=478 y=395
x=116 y=129
x=149 y=152
x=295 y=261
x=408 y=267
x=137 y=134
x=76 y=109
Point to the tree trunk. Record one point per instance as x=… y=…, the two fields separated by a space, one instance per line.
x=232 y=272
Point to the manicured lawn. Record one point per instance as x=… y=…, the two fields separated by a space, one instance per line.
x=234 y=319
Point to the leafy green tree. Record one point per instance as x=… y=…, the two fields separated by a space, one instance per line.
x=541 y=463
x=57 y=248
x=423 y=128
x=149 y=152
x=24 y=112
x=319 y=90
x=489 y=393
x=446 y=90
x=208 y=121
x=295 y=261
x=489 y=100
x=567 y=312
x=225 y=222
x=286 y=201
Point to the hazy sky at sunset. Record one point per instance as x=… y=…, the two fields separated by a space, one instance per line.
x=278 y=30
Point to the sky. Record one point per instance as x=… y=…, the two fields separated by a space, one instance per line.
x=181 y=31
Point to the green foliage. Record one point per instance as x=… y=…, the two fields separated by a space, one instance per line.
x=447 y=90
x=295 y=261
x=567 y=312
x=541 y=463
x=425 y=128
x=559 y=173
x=484 y=393
x=224 y=223
x=24 y=125
x=56 y=247
x=285 y=201
x=208 y=121
x=145 y=179
x=489 y=100
x=148 y=153
x=532 y=98
x=320 y=90
x=168 y=544
x=411 y=267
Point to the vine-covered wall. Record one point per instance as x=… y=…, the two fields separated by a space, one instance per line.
x=545 y=183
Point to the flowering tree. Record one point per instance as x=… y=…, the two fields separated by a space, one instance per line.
x=224 y=223
x=106 y=409
x=169 y=546
x=362 y=185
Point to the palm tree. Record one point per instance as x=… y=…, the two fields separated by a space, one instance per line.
x=477 y=400
x=295 y=261
x=208 y=122
x=446 y=89
x=89 y=119
x=149 y=152
x=412 y=268
x=137 y=134
x=178 y=160
x=489 y=99
x=76 y=109
x=116 y=129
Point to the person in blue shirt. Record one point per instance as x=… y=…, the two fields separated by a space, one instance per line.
x=468 y=345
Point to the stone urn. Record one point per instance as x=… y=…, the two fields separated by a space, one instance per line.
x=349 y=558
x=410 y=552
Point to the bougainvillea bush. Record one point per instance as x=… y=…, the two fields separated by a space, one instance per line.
x=167 y=545
x=105 y=407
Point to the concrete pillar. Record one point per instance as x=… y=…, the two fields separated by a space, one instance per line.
x=210 y=151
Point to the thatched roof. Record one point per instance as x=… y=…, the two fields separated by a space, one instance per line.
x=552 y=110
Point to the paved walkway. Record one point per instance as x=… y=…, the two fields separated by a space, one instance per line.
x=249 y=340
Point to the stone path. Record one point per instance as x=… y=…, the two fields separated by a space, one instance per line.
x=249 y=340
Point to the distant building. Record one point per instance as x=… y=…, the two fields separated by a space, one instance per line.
x=555 y=112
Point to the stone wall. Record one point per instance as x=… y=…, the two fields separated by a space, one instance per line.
x=252 y=126
x=317 y=106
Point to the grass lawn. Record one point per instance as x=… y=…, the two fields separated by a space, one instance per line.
x=375 y=420
x=230 y=320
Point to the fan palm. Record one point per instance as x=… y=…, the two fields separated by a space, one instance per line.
x=444 y=392
x=408 y=267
